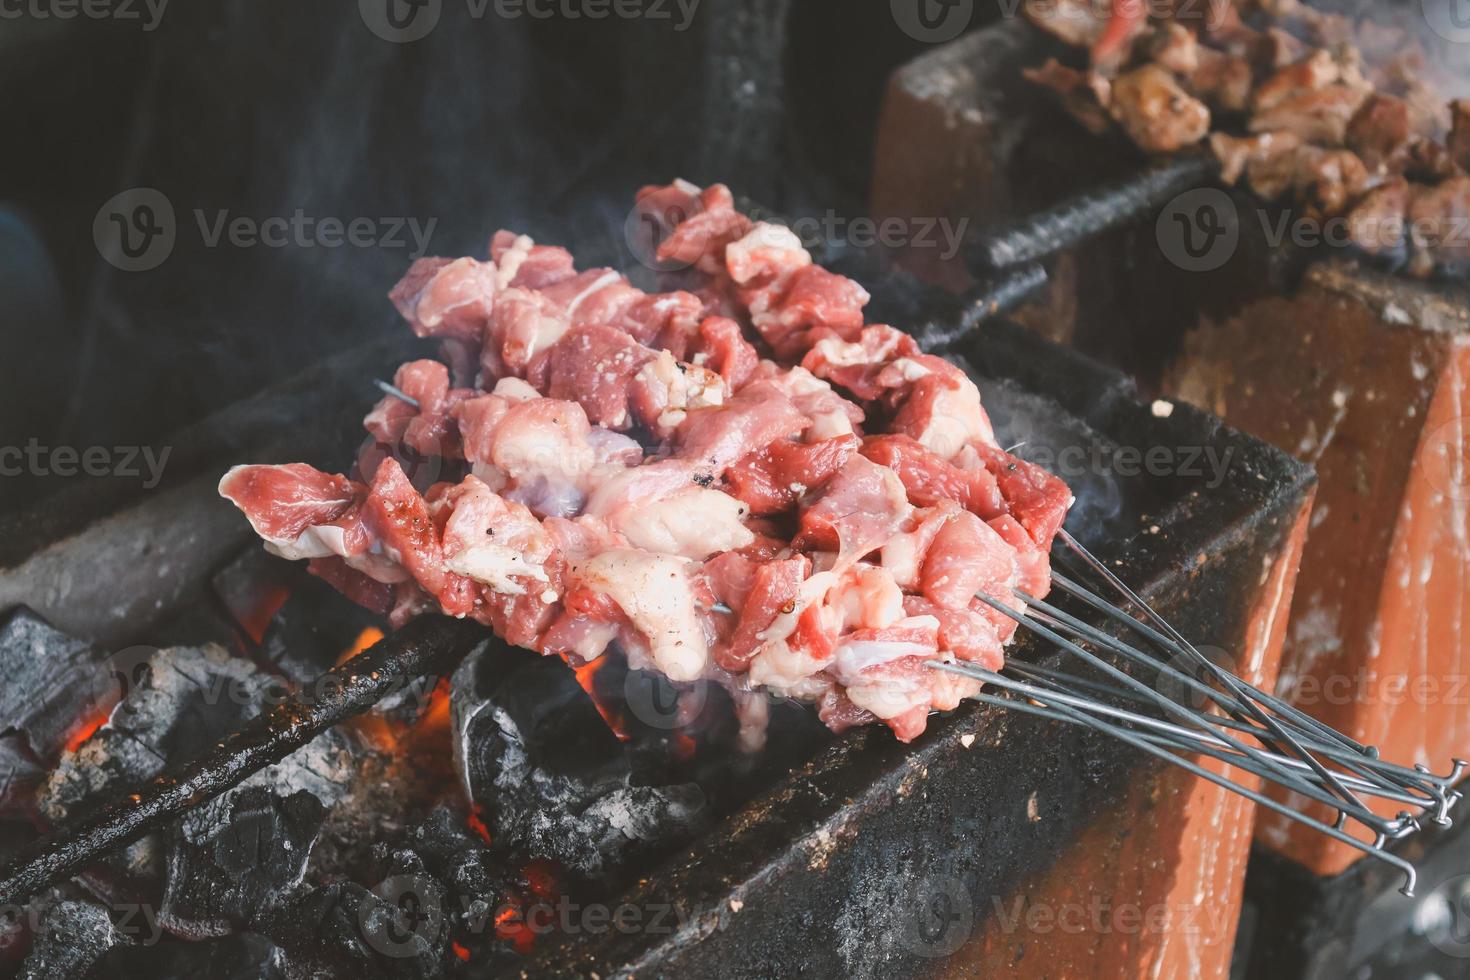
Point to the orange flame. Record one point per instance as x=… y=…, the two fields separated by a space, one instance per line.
x=86 y=730
x=364 y=640
x=255 y=621
x=461 y=951
x=586 y=677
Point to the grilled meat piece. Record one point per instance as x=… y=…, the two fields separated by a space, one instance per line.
x=1439 y=227
x=1156 y=112
x=1379 y=133
x=1378 y=224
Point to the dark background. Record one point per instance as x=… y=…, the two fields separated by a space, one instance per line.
x=262 y=108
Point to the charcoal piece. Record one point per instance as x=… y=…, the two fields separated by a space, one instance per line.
x=533 y=752
x=311 y=631
x=179 y=702
x=20 y=774
x=70 y=938
x=236 y=857
x=522 y=722
x=51 y=683
x=455 y=856
x=252 y=586
x=397 y=931
x=246 y=956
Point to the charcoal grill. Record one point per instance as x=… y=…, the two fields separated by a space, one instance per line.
x=856 y=838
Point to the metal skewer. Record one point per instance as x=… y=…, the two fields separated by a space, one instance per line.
x=1221 y=717
x=396 y=392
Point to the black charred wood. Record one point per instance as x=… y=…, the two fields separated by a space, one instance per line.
x=47 y=691
x=432 y=644
x=236 y=857
x=552 y=778
x=72 y=936
x=1088 y=214
x=395 y=931
x=242 y=957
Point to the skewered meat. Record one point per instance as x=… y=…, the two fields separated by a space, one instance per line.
x=629 y=471
x=1303 y=115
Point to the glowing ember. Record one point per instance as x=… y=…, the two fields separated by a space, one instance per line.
x=511 y=926
x=87 y=729
x=436 y=716
x=364 y=640
x=477 y=824
x=541 y=876
x=586 y=676
x=461 y=951
x=255 y=621
x=684 y=746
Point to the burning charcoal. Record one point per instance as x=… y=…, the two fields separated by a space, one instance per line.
x=234 y=857
x=533 y=751
x=519 y=717
x=253 y=586
x=243 y=957
x=71 y=937
x=312 y=630
x=477 y=884
x=50 y=683
x=397 y=930
x=456 y=856
x=182 y=701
